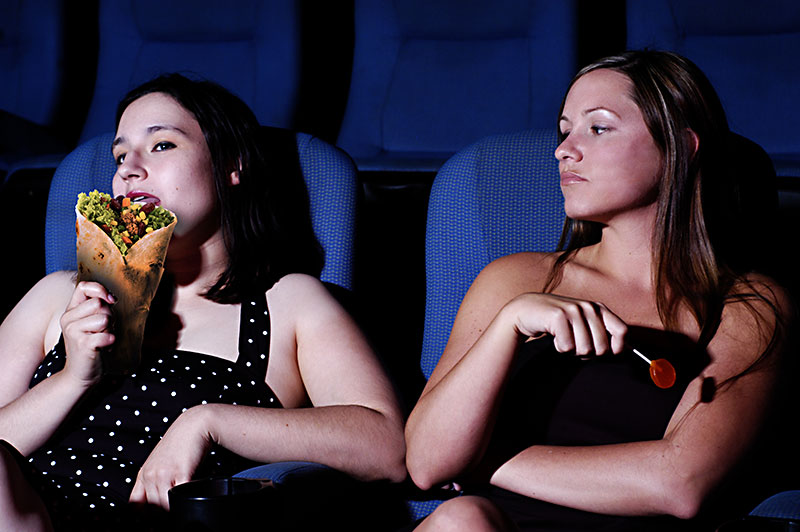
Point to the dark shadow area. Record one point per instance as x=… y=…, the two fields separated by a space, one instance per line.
x=23 y=202
x=390 y=273
x=326 y=40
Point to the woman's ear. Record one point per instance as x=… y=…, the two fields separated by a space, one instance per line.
x=233 y=178
x=694 y=141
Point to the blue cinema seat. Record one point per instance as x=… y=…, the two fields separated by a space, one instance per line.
x=432 y=76
x=330 y=178
x=502 y=195
x=497 y=196
x=778 y=513
x=749 y=52
x=248 y=46
x=31 y=81
x=329 y=173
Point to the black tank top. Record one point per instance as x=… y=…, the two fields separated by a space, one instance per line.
x=87 y=470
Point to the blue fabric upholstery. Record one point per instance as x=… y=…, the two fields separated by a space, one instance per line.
x=90 y=166
x=498 y=196
x=784 y=505
x=330 y=179
x=31 y=76
x=330 y=176
x=431 y=76
x=31 y=42
x=279 y=472
x=250 y=47
x=748 y=51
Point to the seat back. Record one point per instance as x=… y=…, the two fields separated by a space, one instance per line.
x=31 y=54
x=431 y=76
x=329 y=174
x=248 y=46
x=31 y=82
x=748 y=51
x=498 y=196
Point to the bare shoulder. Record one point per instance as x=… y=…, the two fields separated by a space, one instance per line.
x=299 y=290
x=32 y=327
x=498 y=283
x=298 y=299
x=759 y=301
x=516 y=273
x=46 y=298
x=758 y=315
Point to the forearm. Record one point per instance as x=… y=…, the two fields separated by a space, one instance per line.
x=30 y=420
x=352 y=438
x=451 y=425
x=640 y=478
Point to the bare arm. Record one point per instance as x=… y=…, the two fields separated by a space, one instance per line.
x=448 y=431
x=672 y=475
x=354 y=423
x=31 y=329
x=701 y=445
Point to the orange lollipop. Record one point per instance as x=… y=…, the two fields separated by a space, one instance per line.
x=661 y=371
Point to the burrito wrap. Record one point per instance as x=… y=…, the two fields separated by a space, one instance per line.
x=132 y=280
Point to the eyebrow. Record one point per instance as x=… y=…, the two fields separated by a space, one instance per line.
x=600 y=108
x=150 y=131
x=589 y=111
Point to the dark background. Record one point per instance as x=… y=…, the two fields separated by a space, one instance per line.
x=389 y=274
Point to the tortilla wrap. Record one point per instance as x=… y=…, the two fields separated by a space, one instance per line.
x=132 y=280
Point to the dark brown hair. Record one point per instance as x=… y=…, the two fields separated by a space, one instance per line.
x=265 y=218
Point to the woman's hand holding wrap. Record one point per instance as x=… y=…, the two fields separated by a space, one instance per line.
x=87 y=326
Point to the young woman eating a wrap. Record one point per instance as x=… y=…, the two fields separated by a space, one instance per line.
x=539 y=408
x=246 y=355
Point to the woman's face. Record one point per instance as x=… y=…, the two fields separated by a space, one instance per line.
x=162 y=157
x=609 y=162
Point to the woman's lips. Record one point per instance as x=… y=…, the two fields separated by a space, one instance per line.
x=570 y=178
x=143 y=197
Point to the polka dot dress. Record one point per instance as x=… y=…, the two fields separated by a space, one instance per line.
x=88 y=469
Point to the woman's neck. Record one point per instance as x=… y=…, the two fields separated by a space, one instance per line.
x=195 y=268
x=625 y=250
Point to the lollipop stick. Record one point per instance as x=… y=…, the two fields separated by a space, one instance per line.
x=642 y=356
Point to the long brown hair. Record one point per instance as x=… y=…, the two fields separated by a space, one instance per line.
x=690 y=266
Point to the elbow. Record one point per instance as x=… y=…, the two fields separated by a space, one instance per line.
x=422 y=480
x=419 y=469
x=429 y=464
x=397 y=472
x=391 y=461
x=683 y=497
x=393 y=466
x=685 y=507
x=394 y=458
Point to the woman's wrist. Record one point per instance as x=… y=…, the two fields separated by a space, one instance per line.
x=72 y=384
x=200 y=419
x=509 y=318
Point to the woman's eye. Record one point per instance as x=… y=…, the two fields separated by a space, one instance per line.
x=565 y=134
x=163 y=146
x=119 y=159
x=599 y=130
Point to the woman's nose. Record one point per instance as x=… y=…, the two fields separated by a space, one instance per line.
x=131 y=167
x=567 y=149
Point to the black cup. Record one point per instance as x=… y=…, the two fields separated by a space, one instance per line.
x=223 y=504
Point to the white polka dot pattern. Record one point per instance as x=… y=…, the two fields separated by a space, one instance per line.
x=90 y=468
